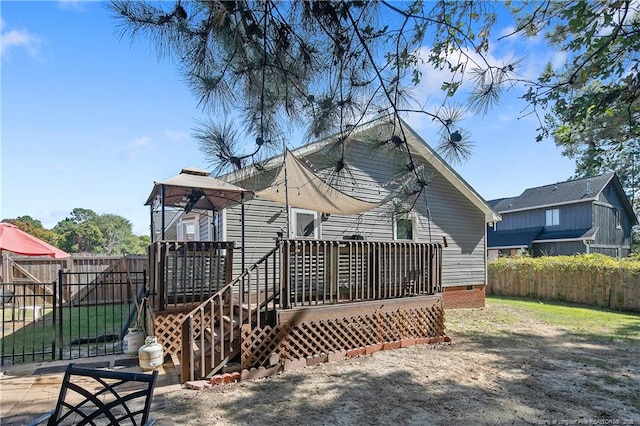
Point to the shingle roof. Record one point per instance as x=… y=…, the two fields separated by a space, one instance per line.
x=524 y=237
x=512 y=238
x=572 y=234
x=583 y=189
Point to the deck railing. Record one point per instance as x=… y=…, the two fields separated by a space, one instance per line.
x=210 y=332
x=188 y=272
x=326 y=272
x=299 y=273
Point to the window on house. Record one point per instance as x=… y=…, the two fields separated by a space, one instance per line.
x=553 y=217
x=404 y=229
x=187 y=231
x=618 y=220
x=305 y=223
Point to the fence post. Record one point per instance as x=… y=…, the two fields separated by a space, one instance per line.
x=53 y=326
x=59 y=307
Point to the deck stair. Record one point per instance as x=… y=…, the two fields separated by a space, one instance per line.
x=322 y=297
x=211 y=331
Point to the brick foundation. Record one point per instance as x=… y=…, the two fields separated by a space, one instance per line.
x=459 y=297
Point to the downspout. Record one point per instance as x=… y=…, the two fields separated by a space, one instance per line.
x=587 y=246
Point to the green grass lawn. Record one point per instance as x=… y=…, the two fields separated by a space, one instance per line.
x=77 y=322
x=578 y=319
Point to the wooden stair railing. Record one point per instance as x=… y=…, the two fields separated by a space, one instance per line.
x=211 y=331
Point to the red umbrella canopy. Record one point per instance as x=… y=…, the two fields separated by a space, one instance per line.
x=14 y=240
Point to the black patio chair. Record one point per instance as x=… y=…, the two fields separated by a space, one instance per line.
x=98 y=397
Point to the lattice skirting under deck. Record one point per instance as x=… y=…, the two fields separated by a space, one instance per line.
x=167 y=328
x=311 y=338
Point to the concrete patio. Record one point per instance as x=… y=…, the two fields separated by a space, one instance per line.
x=28 y=390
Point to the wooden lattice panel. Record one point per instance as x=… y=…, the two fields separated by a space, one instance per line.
x=168 y=328
x=321 y=337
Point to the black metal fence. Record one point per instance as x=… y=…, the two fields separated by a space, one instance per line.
x=81 y=315
x=28 y=316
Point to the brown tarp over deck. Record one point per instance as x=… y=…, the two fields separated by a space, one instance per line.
x=307 y=191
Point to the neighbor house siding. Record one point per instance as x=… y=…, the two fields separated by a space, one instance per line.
x=572 y=216
x=575 y=216
x=605 y=219
x=520 y=220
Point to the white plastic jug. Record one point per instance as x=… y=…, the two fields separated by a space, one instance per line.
x=132 y=341
x=150 y=355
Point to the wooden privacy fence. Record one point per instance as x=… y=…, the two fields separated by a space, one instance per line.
x=613 y=288
x=86 y=272
x=44 y=269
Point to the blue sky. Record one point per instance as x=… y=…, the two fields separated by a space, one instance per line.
x=89 y=120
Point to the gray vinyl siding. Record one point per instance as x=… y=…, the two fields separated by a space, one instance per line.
x=367 y=177
x=204 y=228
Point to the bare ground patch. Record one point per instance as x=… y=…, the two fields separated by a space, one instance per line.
x=503 y=367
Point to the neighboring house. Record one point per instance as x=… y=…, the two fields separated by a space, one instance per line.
x=587 y=215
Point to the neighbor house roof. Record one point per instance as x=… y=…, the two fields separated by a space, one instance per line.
x=516 y=238
x=522 y=238
x=572 y=191
x=416 y=144
x=567 y=235
x=569 y=192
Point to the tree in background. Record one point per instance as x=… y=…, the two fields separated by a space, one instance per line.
x=280 y=65
x=85 y=231
x=336 y=64
x=594 y=112
x=35 y=228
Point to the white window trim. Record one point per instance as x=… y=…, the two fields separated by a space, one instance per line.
x=223 y=225
x=413 y=217
x=182 y=226
x=293 y=211
x=546 y=217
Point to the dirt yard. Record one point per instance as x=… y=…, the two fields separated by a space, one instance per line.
x=501 y=368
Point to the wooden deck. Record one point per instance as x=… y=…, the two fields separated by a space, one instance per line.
x=302 y=299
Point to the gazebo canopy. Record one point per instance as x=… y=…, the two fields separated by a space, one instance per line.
x=195 y=189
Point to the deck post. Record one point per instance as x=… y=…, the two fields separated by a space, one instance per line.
x=285 y=292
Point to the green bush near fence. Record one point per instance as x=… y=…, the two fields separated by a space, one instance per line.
x=579 y=262
x=592 y=279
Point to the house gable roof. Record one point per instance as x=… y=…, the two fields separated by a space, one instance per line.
x=578 y=190
x=416 y=144
x=585 y=189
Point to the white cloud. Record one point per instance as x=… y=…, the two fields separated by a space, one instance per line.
x=12 y=39
x=138 y=146
x=76 y=5
x=175 y=135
